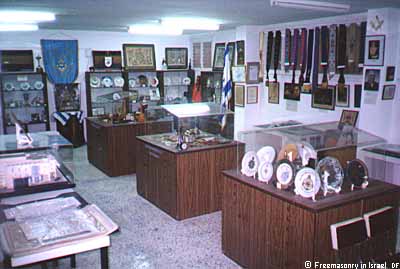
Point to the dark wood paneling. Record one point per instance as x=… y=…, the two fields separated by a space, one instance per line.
x=72 y=131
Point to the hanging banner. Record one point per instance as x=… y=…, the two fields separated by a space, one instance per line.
x=60 y=59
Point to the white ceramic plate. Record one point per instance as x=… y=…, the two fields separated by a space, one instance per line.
x=39 y=85
x=8 y=86
x=266 y=154
x=186 y=81
x=307 y=183
x=250 y=164
x=265 y=172
x=94 y=82
x=132 y=83
x=154 y=82
x=107 y=82
x=119 y=81
x=25 y=86
x=285 y=173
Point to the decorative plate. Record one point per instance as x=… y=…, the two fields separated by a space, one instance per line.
x=306 y=152
x=107 y=82
x=94 y=82
x=8 y=86
x=307 y=183
x=289 y=152
x=250 y=164
x=265 y=172
x=266 y=154
x=132 y=83
x=285 y=172
x=331 y=174
x=154 y=82
x=116 y=96
x=25 y=86
x=119 y=81
x=357 y=172
x=186 y=81
x=39 y=85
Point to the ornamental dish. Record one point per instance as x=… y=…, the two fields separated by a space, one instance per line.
x=94 y=82
x=266 y=154
x=186 y=81
x=119 y=82
x=250 y=164
x=331 y=174
x=307 y=183
x=132 y=83
x=154 y=82
x=265 y=172
x=38 y=85
x=107 y=82
x=8 y=86
x=25 y=86
x=285 y=172
x=357 y=173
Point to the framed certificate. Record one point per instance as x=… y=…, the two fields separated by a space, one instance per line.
x=252 y=71
x=252 y=95
x=239 y=95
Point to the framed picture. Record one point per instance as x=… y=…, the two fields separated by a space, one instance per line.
x=139 y=56
x=390 y=71
x=252 y=72
x=291 y=92
x=375 y=53
x=349 y=117
x=324 y=98
x=343 y=96
x=252 y=94
x=239 y=74
x=388 y=92
x=239 y=95
x=176 y=58
x=218 y=63
x=357 y=95
x=111 y=60
x=372 y=77
x=273 y=93
x=67 y=97
x=231 y=47
x=240 y=52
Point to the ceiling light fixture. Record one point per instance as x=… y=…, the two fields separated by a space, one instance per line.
x=154 y=29
x=311 y=5
x=10 y=27
x=10 y=16
x=192 y=23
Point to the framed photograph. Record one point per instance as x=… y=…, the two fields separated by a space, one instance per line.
x=139 y=56
x=252 y=94
x=176 y=58
x=388 y=92
x=107 y=60
x=218 y=63
x=239 y=95
x=357 y=95
x=372 y=77
x=323 y=98
x=291 y=92
x=252 y=72
x=375 y=52
x=240 y=52
x=67 y=97
x=343 y=96
x=273 y=93
x=349 y=117
x=231 y=47
x=239 y=74
x=390 y=71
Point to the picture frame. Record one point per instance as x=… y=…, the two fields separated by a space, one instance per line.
x=139 y=57
x=343 y=96
x=390 y=73
x=107 y=59
x=375 y=52
x=357 y=95
x=67 y=97
x=240 y=52
x=218 y=61
x=273 y=93
x=323 y=98
x=388 y=92
x=372 y=79
x=291 y=92
x=252 y=95
x=348 y=117
x=239 y=74
x=239 y=95
x=231 y=48
x=176 y=58
x=252 y=69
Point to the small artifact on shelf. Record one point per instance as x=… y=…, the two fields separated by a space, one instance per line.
x=357 y=173
x=289 y=152
x=285 y=174
x=266 y=156
x=307 y=183
x=331 y=173
x=250 y=163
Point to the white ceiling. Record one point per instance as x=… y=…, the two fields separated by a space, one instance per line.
x=116 y=15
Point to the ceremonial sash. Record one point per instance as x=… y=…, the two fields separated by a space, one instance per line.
x=288 y=43
x=307 y=84
x=351 y=48
x=294 y=54
x=362 y=44
x=303 y=56
x=341 y=55
x=269 y=52
x=332 y=51
x=316 y=60
x=277 y=52
x=324 y=55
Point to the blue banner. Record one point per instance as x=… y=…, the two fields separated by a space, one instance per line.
x=60 y=59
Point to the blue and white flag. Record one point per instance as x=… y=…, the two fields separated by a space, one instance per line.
x=226 y=93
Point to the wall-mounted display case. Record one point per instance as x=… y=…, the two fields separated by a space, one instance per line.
x=176 y=86
x=25 y=96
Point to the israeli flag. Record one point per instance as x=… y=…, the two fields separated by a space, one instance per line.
x=226 y=93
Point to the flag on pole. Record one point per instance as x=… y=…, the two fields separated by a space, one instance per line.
x=226 y=93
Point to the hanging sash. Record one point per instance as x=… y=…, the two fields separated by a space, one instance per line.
x=303 y=56
x=362 y=44
x=274 y=86
x=316 y=60
x=351 y=48
x=341 y=55
x=294 y=54
x=310 y=43
x=332 y=51
x=269 y=53
x=261 y=56
x=288 y=45
x=324 y=55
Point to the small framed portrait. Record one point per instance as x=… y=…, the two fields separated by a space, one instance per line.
x=218 y=62
x=139 y=56
x=372 y=77
x=240 y=52
x=107 y=60
x=252 y=72
x=252 y=95
x=390 y=71
x=349 y=117
x=239 y=95
x=176 y=58
x=375 y=52
x=324 y=98
x=231 y=48
x=291 y=91
x=273 y=93
x=388 y=92
x=343 y=95
x=239 y=74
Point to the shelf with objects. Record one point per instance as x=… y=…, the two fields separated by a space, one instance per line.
x=211 y=86
x=24 y=94
x=290 y=186
x=176 y=86
x=180 y=171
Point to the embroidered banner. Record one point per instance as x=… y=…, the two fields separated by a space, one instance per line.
x=60 y=59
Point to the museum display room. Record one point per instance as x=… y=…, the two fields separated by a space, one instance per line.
x=207 y=134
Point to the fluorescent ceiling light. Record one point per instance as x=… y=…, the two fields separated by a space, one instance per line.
x=6 y=27
x=192 y=23
x=153 y=29
x=25 y=16
x=312 y=5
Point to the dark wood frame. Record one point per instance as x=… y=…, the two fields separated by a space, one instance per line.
x=153 y=68
x=217 y=45
x=349 y=111
x=243 y=88
x=387 y=73
x=181 y=66
x=278 y=85
x=248 y=80
x=385 y=89
x=347 y=86
x=105 y=52
x=365 y=78
x=247 y=94
x=240 y=44
x=357 y=87
x=333 y=96
x=382 y=43
x=287 y=97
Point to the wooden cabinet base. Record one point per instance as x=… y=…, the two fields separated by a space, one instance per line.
x=72 y=131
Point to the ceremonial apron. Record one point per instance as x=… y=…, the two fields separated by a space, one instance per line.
x=307 y=84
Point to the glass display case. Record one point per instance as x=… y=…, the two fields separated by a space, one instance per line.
x=176 y=86
x=211 y=86
x=25 y=96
